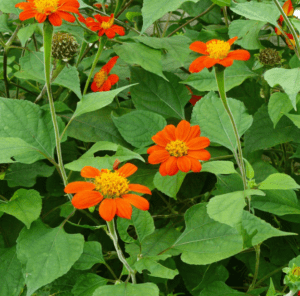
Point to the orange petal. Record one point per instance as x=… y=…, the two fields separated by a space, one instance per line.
x=55 y=19
x=106 y=86
x=124 y=208
x=170 y=132
x=89 y=172
x=27 y=14
x=154 y=148
x=227 y=62
x=232 y=40
x=161 y=138
x=158 y=156
x=110 y=64
x=137 y=201
x=110 y=33
x=171 y=166
x=86 y=199
x=198 y=143
x=182 y=130
x=195 y=165
x=197 y=65
x=107 y=209
x=239 y=54
x=199 y=47
x=288 y=8
x=113 y=78
x=66 y=16
x=194 y=132
x=209 y=62
x=184 y=164
x=140 y=188
x=78 y=186
x=119 y=30
x=40 y=17
x=94 y=87
x=162 y=169
x=199 y=154
x=127 y=170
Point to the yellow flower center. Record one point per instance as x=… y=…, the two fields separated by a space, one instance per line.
x=111 y=184
x=46 y=6
x=177 y=148
x=100 y=78
x=296 y=271
x=107 y=25
x=218 y=49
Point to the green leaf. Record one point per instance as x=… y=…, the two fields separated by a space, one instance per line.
x=294 y=118
x=25 y=175
x=3 y=23
x=228 y=183
x=92 y=254
x=8 y=6
x=219 y=167
x=87 y=284
x=272 y=290
x=209 y=113
x=278 y=181
x=137 y=127
x=222 y=2
x=47 y=254
x=137 y=53
x=25 y=205
x=155 y=94
x=126 y=289
x=234 y=76
x=247 y=31
x=169 y=185
x=12 y=280
x=289 y=79
x=25 y=33
x=265 y=12
x=204 y=240
x=220 y=289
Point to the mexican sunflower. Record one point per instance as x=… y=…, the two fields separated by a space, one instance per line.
x=55 y=10
x=194 y=99
x=216 y=52
x=179 y=148
x=102 y=80
x=104 y=25
x=111 y=189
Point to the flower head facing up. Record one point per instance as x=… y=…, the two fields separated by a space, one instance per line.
x=104 y=25
x=111 y=189
x=216 y=52
x=179 y=148
x=102 y=80
x=55 y=10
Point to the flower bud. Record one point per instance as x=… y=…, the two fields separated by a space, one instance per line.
x=64 y=46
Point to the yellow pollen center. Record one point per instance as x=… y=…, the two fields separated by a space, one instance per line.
x=111 y=184
x=107 y=25
x=46 y=6
x=218 y=49
x=296 y=271
x=100 y=78
x=177 y=148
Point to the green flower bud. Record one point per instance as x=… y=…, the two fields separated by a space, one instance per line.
x=64 y=46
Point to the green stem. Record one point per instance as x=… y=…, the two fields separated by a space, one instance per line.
x=257 y=252
x=5 y=77
x=113 y=235
x=219 y=73
x=118 y=6
x=102 y=42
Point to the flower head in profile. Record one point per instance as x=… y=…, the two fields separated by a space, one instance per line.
x=216 y=52
x=104 y=25
x=54 y=10
x=179 y=148
x=288 y=10
x=102 y=80
x=111 y=189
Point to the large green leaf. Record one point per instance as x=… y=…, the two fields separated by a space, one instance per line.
x=158 y=95
x=25 y=33
x=137 y=127
x=222 y=2
x=209 y=113
x=87 y=284
x=25 y=205
x=12 y=280
x=3 y=23
x=8 y=6
x=47 y=253
x=278 y=181
x=218 y=167
x=295 y=118
x=220 y=289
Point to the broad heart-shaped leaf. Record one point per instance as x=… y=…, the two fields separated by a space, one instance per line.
x=137 y=127
x=278 y=181
x=259 y=11
x=177 y=46
x=127 y=289
x=25 y=33
x=47 y=254
x=204 y=240
x=137 y=53
x=220 y=289
x=26 y=121
x=234 y=76
x=97 y=100
x=92 y=254
x=8 y=6
x=12 y=280
x=158 y=95
x=169 y=185
x=295 y=118
x=87 y=284
x=218 y=167
x=209 y=113
x=228 y=208
x=25 y=205
x=248 y=31
x=289 y=79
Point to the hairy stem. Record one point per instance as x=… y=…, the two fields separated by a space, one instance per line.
x=257 y=252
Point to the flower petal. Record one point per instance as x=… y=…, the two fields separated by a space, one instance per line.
x=139 y=188
x=239 y=54
x=171 y=166
x=182 y=130
x=54 y=19
x=110 y=33
x=113 y=78
x=106 y=86
x=198 y=143
x=94 y=87
x=199 y=154
x=124 y=208
x=184 y=164
x=127 y=170
x=154 y=148
x=232 y=40
x=210 y=62
x=162 y=169
x=161 y=138
x=227 y=62
x=288 y=8
x=194 y=132
x=110 y=64
x=137 y=201
x=66 y=16
x=197 y=65
x=170 y=130
x=119 y=30
x=108 y=208
x=89 y=172
x=158 y=156
x=79 y=186
x=199 y=47
x=27 y=14
x=195 y=165
x=86 y=199
x=41 y=17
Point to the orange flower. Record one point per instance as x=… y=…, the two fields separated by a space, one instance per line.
x=112 y=189
x=102 y=80
x=104 y=25
x=179 y=148
x=288 y=10
x=216 y=52
x=194 y=98
x=55 y=10
x=99 y=5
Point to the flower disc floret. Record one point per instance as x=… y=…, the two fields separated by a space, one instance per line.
x=45 y=6
x=177 y=148
x=218 y=49
x=100 y=78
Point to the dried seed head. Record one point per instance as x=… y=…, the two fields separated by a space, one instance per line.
x=64 y=46
x=269 y=56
